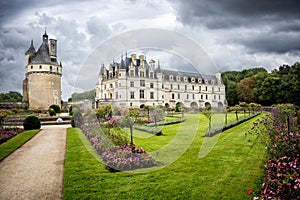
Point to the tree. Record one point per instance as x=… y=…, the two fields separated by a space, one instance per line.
x=245 y=90
x=129 y=117
x=10 y=96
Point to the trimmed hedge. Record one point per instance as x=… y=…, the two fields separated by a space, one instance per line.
x=229 y=126
x=31 y=122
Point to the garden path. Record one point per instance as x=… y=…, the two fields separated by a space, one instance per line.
x=35 y=171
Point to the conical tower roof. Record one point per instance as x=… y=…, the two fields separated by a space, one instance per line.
x=31 y=49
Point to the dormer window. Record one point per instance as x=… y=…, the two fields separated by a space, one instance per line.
x=171 y=77
x=178 y=78
x=185 y=79
x=193 y=79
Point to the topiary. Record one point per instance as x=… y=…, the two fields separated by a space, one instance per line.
x=31 y=122
x=52 y=112
x=55 y=107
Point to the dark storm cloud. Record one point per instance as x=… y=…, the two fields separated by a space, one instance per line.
x=266 y=17
x=236 y=12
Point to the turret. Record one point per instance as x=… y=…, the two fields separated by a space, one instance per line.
x=30 y=53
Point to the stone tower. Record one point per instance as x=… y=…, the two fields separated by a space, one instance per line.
x=42 y=83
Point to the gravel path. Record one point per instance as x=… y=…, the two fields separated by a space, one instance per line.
x=35 y=171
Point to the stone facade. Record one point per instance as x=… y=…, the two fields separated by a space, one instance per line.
x=42 y=83
x=135 y=82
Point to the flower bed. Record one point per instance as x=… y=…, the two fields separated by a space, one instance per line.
x=8 y=133
x=281 y=136
x=115 y=155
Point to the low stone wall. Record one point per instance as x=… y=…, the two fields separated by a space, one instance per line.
x=13 y=105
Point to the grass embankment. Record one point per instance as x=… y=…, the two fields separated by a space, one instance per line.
x=14 y=143
x=233 y=166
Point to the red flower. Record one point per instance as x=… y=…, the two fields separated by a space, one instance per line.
x=250 y=191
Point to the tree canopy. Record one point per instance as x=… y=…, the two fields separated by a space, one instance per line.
x=282 y=85
x=10 y=96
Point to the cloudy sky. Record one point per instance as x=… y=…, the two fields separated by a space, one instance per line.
x=235 y=34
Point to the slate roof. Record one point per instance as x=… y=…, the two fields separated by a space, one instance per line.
x=42 y=56
x=31 y=49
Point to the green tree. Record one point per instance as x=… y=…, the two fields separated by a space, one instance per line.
x=245 y=90
x=11 y=96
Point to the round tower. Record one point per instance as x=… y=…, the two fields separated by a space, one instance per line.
x=42 y=84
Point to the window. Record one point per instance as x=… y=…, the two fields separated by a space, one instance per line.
x=219 y=89
x=110 y=95
x=173 y=96
x=116 y=84
x=205 y=88
x=111 y=85
x=142 y=94
x=50 y=68
x=193 y=96
x=40 y=66
x=187 y=96
x=206 y=97
x=199 y=88
x=119 y=74
x=104 y=87
x=219 y=97
x=142 y=74
x=151 y=85
x=178 y=87
x=171 y=86
x=178 y=78
x=131 y=95
x=193 y=79
x=162 y=86
x=178 y=96
x=131 y=84
x=142 y=83
x=185 y=87
x=131 y=73
x=151 y=95
x=214 y=97
x=31 y=67
x=212 y=89
x=201 y=96
x=116 y=95
x=151 y=75
x=105 y=97
x=193 y=87
x=171 y=77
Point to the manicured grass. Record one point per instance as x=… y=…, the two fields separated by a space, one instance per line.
x=11 y=145
x=234 y=165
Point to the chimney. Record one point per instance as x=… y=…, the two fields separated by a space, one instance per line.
x=133 y=58
x=53 y=48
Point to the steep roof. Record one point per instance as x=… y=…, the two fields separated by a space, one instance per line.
x=42 y=56
x=31 y=49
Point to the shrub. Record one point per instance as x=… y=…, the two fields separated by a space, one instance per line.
x=31 y=122
x=55 y=107
x=77 y=120
x=73 y=109
x=52 y=112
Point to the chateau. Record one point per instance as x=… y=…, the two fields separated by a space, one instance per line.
x=136 y=82
x=42 y=83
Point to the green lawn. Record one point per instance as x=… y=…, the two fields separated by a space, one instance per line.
x=11 y=145
x=226 y=171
